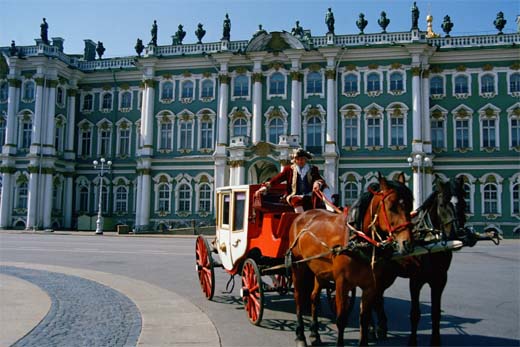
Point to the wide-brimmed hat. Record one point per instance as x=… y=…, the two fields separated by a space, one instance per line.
x=301 y=153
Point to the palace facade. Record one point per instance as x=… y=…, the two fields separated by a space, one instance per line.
x=177 y=121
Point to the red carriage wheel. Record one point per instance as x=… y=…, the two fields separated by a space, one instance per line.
x=252 y=291
x=204 y=267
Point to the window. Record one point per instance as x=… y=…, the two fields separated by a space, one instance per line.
x=488 y=133
x=88 y=102
x=487 y=84
x=23 y=193
x=206 y=135
x=240 y=209
x=396 y=131
x=140 y=100
x=28 y=91
x=104 y=143
x=167 y=91
x=461 y=85
x=166 y=136
x=373 y=132
x=121 y=200
x=314 y=83
x=126 y=100
x=351 y=193
x=277 y=84
x=462 y=133
x=467 y=197
x=437 y=86
x=373 y=82
x=59 y=135
x=275 y=129
x=187 y=90
x=515 y=132
x=26 y=134
x=4 y=91
x=60 y=96
x=124 y=142
x=2 y=130
x=490 y=199
x=515 y=208
x=83 y=199
x=350 y=85
x=437 y=133
x=184 y=198
x=107 y=102
x=514 y=83
x=351 y=131
x=241 y=86
x=205 y=198
x=314 y=135
x=104 y=199
x=85 y=138
x=186 y=131
x=206 y=89
x=164 y=198
x=240 y=127
x=396 y=82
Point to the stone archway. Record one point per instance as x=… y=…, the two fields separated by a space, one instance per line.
x=261 y=171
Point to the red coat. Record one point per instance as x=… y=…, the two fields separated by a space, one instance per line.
x=288 y=175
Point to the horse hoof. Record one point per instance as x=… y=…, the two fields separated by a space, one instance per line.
x=382 y=334
x=301 y=343
x=315 y=341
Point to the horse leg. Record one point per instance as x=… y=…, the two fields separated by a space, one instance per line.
x=367 y=304
x=300 y=274
x=382 y=320
x=415 y=311
x=342 y=305
x=437 y=288
x=315 y=300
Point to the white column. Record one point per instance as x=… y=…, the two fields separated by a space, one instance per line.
x=12 y=102
x=257 y=108
x=417 y=188
x=147 y=122
x=240 y=173
x=6 y=202
x=145 y=198
x=67 y=207
x=331 y=106
x=296 y=107
x=426 y=124
x=36 y=139
x=138 y=201
x=417 y=110
x=47 y=197
x=220 y=171
x=32 y=198
x=49 y=118
x=71 y=120
x=223 y=101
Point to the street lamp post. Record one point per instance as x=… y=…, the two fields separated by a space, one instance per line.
x=102 y=166
x=419 y=163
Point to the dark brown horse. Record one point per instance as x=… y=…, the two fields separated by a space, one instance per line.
x=441 y=216
x=321 y=254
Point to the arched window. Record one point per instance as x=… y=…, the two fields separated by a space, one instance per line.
x=490 y=199
x=104 y=199
x=126 y=100
x=514 y=83
x=187 y=90
x=206 y=134
x=4 y=91
x=314 y=135
x=186 y=132
x=164 y=198
x=461 y=84
x=83 y=199
x=107 y=101
x=241 y=86
x=487 y=84
x=467 y=197
x=26 y=133
x=3 y=125
x=351 y=193
x=205 y=198
x=167 y=91
x=350 y=83
x=275 y=129
x=373 y=82
x=22 y=195
x=314 y=83
x=277 y=84
x=60 y=96
x=88 y=102
x=516 y=199
x=396 y=82
x=240 y=127
x=121 y=199
x=436 y=86
x=28 y=91
x=206 y=89
x=184 y=198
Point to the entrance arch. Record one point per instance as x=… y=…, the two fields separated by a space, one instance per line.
x=261 y=171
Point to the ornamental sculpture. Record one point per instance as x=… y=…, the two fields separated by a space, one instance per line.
x=139 y=47
x=179 y=36
x=297 y=30
x=447 y=25
x=361 y=23
x=500 y=22
x=200 y=32
x=100 y=49
x=329 y=20
x=383 y=21
x=226 y=28
x=44 y=28
x=415 y=17
x=153 y=41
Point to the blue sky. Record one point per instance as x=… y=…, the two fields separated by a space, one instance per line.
x=118 y=23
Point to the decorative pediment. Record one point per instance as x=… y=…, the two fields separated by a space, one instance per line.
x=274 y=41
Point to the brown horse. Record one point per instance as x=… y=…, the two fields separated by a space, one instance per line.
x=321 y=254
x=442 y=215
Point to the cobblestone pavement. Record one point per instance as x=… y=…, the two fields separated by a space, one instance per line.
x=82 y=313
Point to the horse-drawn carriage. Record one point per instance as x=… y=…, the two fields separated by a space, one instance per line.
x=261 y=237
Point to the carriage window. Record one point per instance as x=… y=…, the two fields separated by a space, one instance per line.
x=225 y=209
x=240 y=207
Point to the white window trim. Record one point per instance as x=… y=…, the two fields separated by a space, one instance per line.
x=180 y=120
x=118 y=136
x=357 y=111
x=322 y=116
x=403 y=75
x=509 y=92
x=60 y=131
x=137 y=137
x=180 y=180
x=234 y=75
x=469 y=117
x=101 y=96
x=212 y=115
x=471 y=181
x=120 y=100
x=159 y=119
x=140 y=94
x=268 y=86
x=198 y=183
x=233 y=116
x=461 y=95
x=343 y=183
x=438 y=96
x=498 y=182
x=81 y=182
x=212 y=97
x=404 y=109
x=496 y=118
x=114 y=194
x=268 y=116
x=162 y=100
x=99 y=130
x=510 y=117
x=80 y=132
x=20 y=123
x=82 y=101
x=181 y=84
x=306 y=72
x=513 y=180
x=64 y=91
x=106 y=185
x=157 y=183
x=365 y=80
x=368 y=116
x=495 y=84
x=349 y=94
x=444 y=119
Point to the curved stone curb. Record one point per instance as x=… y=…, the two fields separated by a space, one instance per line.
x=19 y=315
x=168 y=319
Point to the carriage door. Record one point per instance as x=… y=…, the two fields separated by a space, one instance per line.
x=238 y=239
x=224 y=228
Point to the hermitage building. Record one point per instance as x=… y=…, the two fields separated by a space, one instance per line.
x=177 y=121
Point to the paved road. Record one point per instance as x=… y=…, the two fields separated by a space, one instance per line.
x=481 y=302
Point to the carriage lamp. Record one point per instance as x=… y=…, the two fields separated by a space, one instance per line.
x=102 y=167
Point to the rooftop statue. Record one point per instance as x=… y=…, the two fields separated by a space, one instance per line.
x=383 y=21
x=447 y=25
x=139 y=47
x=226 y=29
x=259 y=31
x=500 y=22
x=297 y=30
x=44 y=28
x=200 y=32
x=100 y=49
x=153 y=41
x=329 y=20
x=361 y=23
x=179 y=36
x=13 y=51
x=415 y=16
